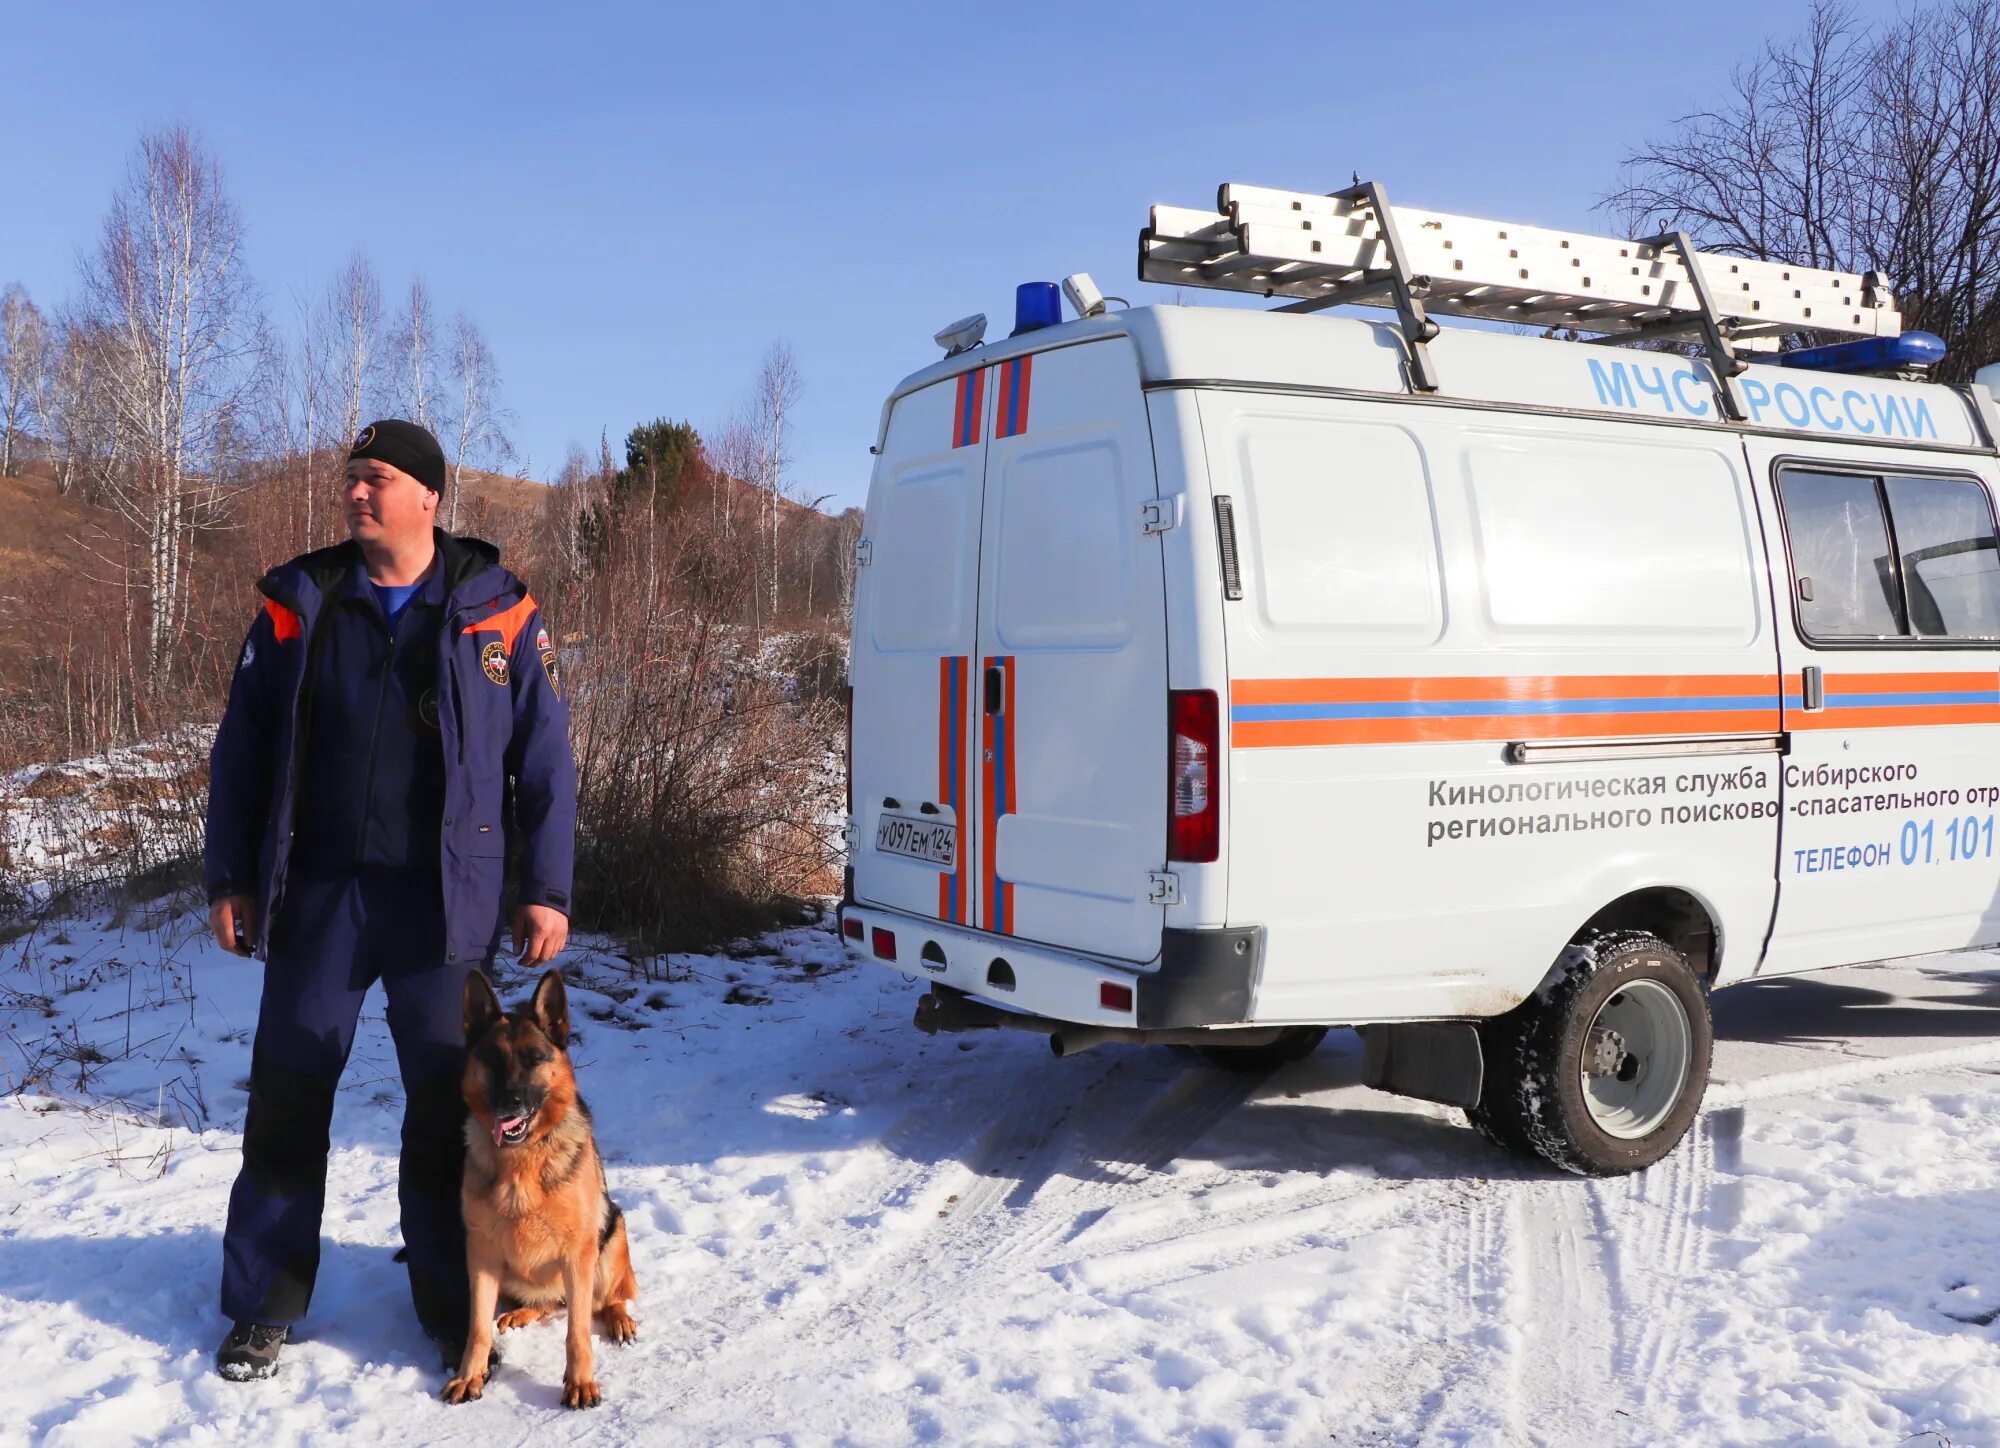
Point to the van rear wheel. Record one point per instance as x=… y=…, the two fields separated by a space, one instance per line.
x=1603 y=1070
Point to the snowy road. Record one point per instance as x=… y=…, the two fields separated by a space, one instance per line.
x=846 y=1232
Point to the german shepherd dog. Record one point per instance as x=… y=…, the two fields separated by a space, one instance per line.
x=541 y=1231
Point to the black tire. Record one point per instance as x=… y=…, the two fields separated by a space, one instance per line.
x=1497 y=1117
x=1294 y=1043
x=1536 y=1083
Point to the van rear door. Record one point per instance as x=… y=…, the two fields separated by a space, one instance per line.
x=1071 y=672
x=911 y=665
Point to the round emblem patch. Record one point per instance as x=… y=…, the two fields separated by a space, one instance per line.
x=366 y=436
x=427 y=708
x=493 y=659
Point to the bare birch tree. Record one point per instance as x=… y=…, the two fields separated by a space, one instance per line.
x=778 y=389
x=413 y=346
x=76 y=422
x=353 y=319
x=24 y=341
x=735 y=456
x=475 y=427
x=1856 y=148
x=178 y=320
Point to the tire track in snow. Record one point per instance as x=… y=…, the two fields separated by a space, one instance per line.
x=1124 y=1155
x=932 y=1150
x=1562 y=1386
x=1661 y=1244
x=904 y=1261
x=1337 y=1212
x=1462 y=1404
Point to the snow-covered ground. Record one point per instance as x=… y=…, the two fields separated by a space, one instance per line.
x=846 y=1232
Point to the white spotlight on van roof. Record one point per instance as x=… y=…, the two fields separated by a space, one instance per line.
x=1083 y=294
x=962 y=335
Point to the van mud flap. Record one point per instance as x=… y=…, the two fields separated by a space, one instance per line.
x=1431 y=1060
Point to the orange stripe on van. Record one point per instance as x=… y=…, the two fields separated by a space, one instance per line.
x=1281 y=713
x=1504 y=686
x=1276 y=733
x=1897 y=701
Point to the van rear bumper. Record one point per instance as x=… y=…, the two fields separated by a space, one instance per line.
x=1200 y=977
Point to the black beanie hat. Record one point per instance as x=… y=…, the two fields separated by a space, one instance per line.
x=404 y=445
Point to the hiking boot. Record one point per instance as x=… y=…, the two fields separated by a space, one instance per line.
x=250 y=1351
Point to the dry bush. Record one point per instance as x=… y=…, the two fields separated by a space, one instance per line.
x=708 y=777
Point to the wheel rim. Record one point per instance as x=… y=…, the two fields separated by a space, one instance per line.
x=1636 y=1056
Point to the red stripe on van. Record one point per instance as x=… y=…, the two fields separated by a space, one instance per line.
x=1010 y=399
x=1011 y=784
x=951 y=779
x=968 y=410
x=944 y=770
x=996 y=901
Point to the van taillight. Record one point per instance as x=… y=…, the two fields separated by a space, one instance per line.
x=1193 y=819
x=850 y=749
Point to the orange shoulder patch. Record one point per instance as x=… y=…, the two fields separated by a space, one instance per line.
x=284 y=623
x=508 y=623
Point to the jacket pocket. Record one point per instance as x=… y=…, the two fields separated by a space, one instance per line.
x=483 y=841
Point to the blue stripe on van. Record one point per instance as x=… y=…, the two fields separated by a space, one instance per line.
x=1504 y=708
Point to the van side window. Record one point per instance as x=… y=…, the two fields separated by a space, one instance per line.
x=1840 y=555
x=1951 y=566
x=1891 y=556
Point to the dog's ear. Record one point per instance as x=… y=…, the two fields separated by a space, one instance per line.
x=482 y=1007
x=551 y=1009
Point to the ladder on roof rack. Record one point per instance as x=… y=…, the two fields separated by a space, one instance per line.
x=1351 y=246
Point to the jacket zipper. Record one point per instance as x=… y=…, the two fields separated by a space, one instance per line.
x=296 y=765
x=374 y=742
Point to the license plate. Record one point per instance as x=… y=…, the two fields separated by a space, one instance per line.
x=933 y=841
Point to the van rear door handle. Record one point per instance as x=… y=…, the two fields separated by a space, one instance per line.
x=1812 y=687
x=995 y=690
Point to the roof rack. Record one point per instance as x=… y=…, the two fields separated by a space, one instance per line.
x=1350 y=246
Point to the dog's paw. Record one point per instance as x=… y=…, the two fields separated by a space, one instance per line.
x=618 y=1324
x=519 y=1317
x=464 y=1390
x=581 y=1393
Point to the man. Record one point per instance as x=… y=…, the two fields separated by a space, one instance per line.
x=393 y=726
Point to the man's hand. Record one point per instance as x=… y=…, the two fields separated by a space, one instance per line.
x=539 y=933
x=230 y=916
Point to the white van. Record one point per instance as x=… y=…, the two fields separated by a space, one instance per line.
x=1220 y=675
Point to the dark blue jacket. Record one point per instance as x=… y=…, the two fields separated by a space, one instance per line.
x=290 y=779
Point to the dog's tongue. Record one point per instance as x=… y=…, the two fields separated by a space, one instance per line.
x=503 y=1129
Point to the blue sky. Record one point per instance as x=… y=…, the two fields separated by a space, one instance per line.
x=636 y=200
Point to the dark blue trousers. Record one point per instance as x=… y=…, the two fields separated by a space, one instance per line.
x=335 y=936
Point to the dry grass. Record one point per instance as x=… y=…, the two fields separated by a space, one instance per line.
x=55 y=784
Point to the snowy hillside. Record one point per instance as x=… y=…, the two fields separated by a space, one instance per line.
x=847 y=1232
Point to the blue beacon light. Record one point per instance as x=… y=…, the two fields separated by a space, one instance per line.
x=1036 y=305
x=1870 y=354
